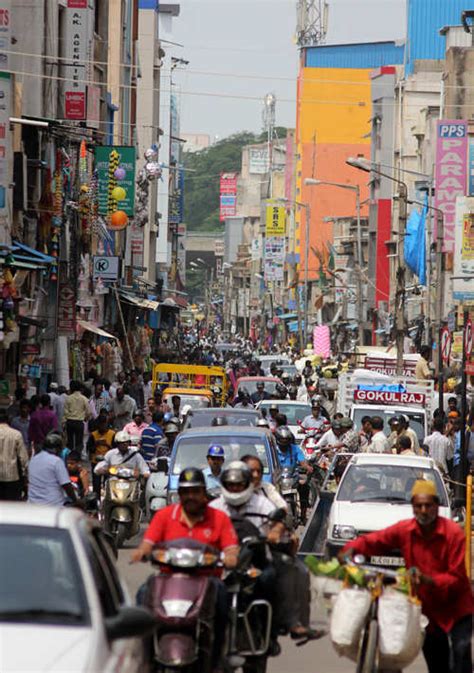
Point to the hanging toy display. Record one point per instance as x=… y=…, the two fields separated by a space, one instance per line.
x=120 y=173
x=8 y=293
x=56 y=220
x=114 y=159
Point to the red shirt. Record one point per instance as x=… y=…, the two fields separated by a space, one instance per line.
x=215 y=528
x=441 y=556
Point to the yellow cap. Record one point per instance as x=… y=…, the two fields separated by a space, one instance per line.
x=424 y=487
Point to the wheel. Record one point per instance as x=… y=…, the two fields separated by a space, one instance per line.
x=368 y=652
x=255 y=665
x=121 y=534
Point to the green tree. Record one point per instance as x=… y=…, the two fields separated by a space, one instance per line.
x=201 y=185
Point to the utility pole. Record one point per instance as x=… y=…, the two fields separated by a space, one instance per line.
x=360 y=288
x=400 y=327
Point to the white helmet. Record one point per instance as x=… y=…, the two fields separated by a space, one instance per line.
x=237 y=472
x=121 y=437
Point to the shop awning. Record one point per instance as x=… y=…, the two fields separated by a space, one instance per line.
x=149 y=304
x=90 y=327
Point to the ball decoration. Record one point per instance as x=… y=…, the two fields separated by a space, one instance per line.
x=119 y=193
x=118 y=220
x=120 y=173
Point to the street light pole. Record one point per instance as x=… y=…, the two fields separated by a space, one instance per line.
x=400 y=327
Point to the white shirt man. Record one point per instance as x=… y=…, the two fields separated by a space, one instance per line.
x=329 y=439
x=439 y=446
x=378 y=442
x=131 y=459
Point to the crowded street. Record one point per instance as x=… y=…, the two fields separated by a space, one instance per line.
x=236 y=336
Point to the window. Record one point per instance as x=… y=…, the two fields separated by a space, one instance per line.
x=193 y=450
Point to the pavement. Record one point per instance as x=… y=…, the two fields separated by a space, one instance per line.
x=315 y=656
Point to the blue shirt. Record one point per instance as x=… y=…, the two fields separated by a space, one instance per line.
x=149 y=440
x=211 y=481
x=47 y=474
x=457 y=448
x=292 y=457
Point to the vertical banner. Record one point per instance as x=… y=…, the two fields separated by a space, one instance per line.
x=66 y=316
x=74 y=68
x=451 y=173
x=126 y=160
x=6 y=161
x=275 y=221
x=463 y=285
x=5 y=33
x=228 y=195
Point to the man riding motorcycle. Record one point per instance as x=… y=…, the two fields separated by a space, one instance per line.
x=316 y=419
x=124 y=454
x=291 y=455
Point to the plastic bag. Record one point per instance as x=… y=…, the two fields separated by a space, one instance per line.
x=350 y=611
x=400 y=630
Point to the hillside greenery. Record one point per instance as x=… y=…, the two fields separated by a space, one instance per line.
x=201 y=186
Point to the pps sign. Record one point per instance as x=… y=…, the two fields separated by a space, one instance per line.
x=451 y=173
x=106 y=268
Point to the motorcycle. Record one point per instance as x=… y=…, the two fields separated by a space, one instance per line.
x=182 y=599
x=121 y=512
x=156 y=486
x=287 y=484
x=312 y=437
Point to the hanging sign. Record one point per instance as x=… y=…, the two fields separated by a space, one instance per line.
x=77 y=43
x=126 y=160
x=468 y=338
x=445 y=345
x=275 y=222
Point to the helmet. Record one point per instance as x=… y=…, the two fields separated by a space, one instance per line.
x=346 y=422
x=237 y=472
x=336 y=425
x=171 y=428
x=219 y=421
x=216 y=451
x=283 y=436
x=53 y=442
x=243 y=392
x=316 y=401
x=122 y=436
x=191 y=477
x=285 y=376
x=280 y=388
x=262 y=423
x=274 y=407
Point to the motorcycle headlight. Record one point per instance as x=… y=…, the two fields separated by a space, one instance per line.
x=343 y=532
x=286 y=484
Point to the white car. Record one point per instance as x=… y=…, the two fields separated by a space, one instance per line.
x=63 y=607
x=294 y=411
x=374 y=493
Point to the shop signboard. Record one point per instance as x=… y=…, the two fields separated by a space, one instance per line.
x=463 y=276
x=386 y=397
x=5 y=33
x=228 y=195
x=275 y=221
x=66 y=323
x=74 y=67
x=127 y=162
x=6 y=161
x=106 y=268
x=219 y=247
x=389 y=365
x=451 y=173
x=258 y=160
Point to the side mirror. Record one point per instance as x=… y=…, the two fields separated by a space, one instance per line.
x=130 y=623
x=162 y=465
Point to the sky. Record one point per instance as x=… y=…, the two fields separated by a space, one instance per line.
x=239 y=50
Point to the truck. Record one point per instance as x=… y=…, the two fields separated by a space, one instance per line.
x=364 y=392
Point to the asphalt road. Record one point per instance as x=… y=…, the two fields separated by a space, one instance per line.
x=314 y=657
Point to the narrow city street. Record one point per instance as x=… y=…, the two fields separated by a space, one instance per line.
x=315 y=657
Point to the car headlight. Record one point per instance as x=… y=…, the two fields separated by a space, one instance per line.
x=343 y=532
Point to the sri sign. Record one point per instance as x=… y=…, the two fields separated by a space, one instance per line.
x=275 y=221
x=126 y=161
x=451 y=173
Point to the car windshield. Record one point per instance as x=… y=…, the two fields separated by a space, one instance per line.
x=193 y=450
x=251 y=385
x=417 y=420
x=293 y=412
x=288 y=369
x=203 y=418
x=40 y=580
x=194 y=401
x=385 y=483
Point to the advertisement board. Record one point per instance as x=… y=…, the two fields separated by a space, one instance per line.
x=66 y=320
x=275 y=221
x=258 y=160
x=273 y=268
x=6 y=163
x=228 y=195
x=451 y=173
x=127 y=162
x=77 y=44
x=463 y=276
x=5 y=33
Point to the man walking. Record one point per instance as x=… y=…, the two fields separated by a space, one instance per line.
x=76 y=413
x=123 y=409
x=434 y=549
x=42 y=421
x=13 y=460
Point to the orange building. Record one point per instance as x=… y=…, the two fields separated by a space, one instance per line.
x=333 y=123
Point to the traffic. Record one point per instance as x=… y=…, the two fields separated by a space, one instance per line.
x=249 y=497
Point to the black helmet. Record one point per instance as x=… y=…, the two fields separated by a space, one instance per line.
x=219 y=421
x=191 y=477
x=283 y=436
x=236 y=472
x=53 y=442
x=280 y=388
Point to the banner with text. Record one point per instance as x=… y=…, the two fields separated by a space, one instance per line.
x=228 y=196
x=77 y=48
x=451 y=173
x=463 y=287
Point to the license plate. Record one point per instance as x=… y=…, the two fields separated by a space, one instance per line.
x=387 y=561
x=288 y=492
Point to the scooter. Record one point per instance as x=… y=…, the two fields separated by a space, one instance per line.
x=182 y=599
x=287 y=484
x=121 y=512
x=156 y=486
